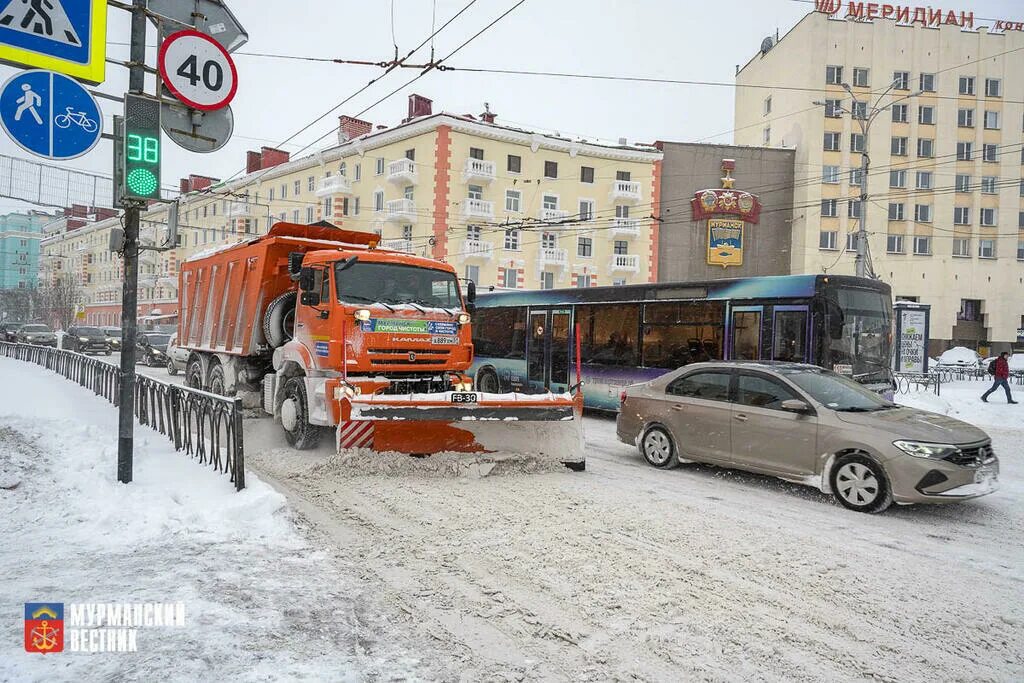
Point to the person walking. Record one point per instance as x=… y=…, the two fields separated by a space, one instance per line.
x=1001 y=371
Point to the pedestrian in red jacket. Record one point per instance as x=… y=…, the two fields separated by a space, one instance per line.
x=1002 y=377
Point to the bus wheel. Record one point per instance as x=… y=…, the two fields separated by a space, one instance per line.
x=487 y=382
x=658 y=449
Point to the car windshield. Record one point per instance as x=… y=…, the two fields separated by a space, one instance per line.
x=391 y=283
x=89 y=331
x=113 y=332
x=29 y=329
x=836 y=392
x=158 y=339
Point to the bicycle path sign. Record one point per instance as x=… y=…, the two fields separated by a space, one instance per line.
x=50 y=115
x=66 y=36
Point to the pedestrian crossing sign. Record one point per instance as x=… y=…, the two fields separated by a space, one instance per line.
x=66 y=36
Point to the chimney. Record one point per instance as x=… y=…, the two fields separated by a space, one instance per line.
x=419 y=106
x=252 y=162
x=183 y=186
x=104 y=213
x=271 y=157
x=79 y=210
x=488 y=116
x=350 y=128
x=199 y=182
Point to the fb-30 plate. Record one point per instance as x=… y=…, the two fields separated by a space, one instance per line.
x=464 y=397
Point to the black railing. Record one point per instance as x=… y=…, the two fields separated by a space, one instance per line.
x=907 y=382
x=203 y=425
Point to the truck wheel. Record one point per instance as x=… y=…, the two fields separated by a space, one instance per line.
x=295 y=417
x=194 y=374
x=217 y=380
x=279 y=320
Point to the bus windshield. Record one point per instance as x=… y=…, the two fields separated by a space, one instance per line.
x=866 y=330
x=365 y=282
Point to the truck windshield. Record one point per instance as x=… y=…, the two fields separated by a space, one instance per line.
x=390 y=283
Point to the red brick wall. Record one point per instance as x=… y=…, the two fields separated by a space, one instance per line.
x=442 y=167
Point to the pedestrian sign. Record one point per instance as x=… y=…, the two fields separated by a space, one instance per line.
x=50 y=114
x=67 y=36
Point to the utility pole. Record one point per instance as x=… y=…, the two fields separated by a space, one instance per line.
x=129 y=294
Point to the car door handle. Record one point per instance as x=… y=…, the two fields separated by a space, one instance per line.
x=678 y=406
x=741 y=417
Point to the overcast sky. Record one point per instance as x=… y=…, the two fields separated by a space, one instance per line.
x=683 y=39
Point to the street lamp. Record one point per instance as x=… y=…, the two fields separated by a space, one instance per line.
x=865 y=118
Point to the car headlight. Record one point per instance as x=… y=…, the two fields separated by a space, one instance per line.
x=362 y=314
x=918 y=449
x=83 y=339
x=464 y=318
x=157 y=352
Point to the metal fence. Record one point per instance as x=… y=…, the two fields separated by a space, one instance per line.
x=906 y=382
x=203 y=425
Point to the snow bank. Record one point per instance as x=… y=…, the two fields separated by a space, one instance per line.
x=959 y=356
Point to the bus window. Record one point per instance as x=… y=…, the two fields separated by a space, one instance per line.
x=500 y=332
x=676 y=334
x=789 y=337
x=746 y=334
x=608 y=334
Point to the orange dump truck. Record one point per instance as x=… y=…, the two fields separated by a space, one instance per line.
x=323 y=329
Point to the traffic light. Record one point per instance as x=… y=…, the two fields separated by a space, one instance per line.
x=142 y=150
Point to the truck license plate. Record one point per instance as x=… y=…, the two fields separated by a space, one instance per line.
x=444 y=340
x=463 y=397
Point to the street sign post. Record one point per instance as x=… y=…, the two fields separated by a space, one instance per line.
x=209 y=16
x=50 y=115
x=197 y=131
x=197 y=70
x=66 y=36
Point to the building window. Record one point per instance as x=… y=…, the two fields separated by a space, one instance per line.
x=860 y=77
x=827 y=239
x=586 y=210
x=832 y=142
x=311 y=183
x=768 y=105
x=513 y=200
x=583 y=281
x=989 y=153
x=547 y=280
x=988 y=184
x=925 y=148
x=1020 y=254
x=924 y=180
x=359 y=172
x=961 y=215
x=473 y=233
x=993 y=87
x=856 y=142
x=856 y=176
x=963 y=182
x=859 y=109
x=828 y=208
x=328 y=208
x=407 y=232
x=923 y=213
x=964 y=151
x=550 y=169
x=766 y=136
x=987 y=217
x=898 y=147
x=379 y=167
x=966 y=85
x=515 y=164
x=342 y=169
x=295 y=219
x=896 y=211
x=355 y=207
x=549 y=240
x=927 y=82
x=1020 y=221
x=621 y=247
x=310 y=214
x=922 y=245
x=901 y=80
x=473 y=273
x=899 y=113
x=965 y=118
x=512 y=240
x=472 y=192
x=297 y=188
x=833 y=108
x=853 y=208
x=474 y=153
x=986 y=248
x=585 y=246
x=549 y=201
x=926 y=115
x=834 y=75
x=511 y=278
x=991 y=120
x=961 y=247
x=378 y=200
x=284 y=194
x=851 y=241
x=586 y=174
x=898 y=178
x=894 y=244
x=830 y=175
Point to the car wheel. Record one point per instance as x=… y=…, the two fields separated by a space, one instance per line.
x=658 y=449
x=194 y=374
x=171 y=370
x=107 y=352
x=295 y=417
x=217 y=380
x=859 y=483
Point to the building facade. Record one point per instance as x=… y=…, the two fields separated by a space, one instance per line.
x=507 y=207
x=20 y=235
x=687 y=170
x=945 y=210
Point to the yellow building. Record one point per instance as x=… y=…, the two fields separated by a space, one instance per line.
x=507 y=207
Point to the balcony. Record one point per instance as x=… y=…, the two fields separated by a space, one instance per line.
x=397 y=245
x=553 y=215
x=335 y=184
x=626 y=262
x=477 y=208
x=402 y=171
x=478 y=169
x=400 y=210
x=477 y=249
x=626 y=189
x=627 y=227
x=550 y=256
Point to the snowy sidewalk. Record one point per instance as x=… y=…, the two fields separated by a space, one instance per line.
x=260 y=602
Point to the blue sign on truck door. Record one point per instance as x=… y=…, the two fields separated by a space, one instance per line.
x=50 y=114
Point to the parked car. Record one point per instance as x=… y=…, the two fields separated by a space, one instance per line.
x=959 y=357
x=40 y=335
x=113 y=335
x=9 y=330
x=808 y=425
x=177 y=357
x=86 y=339
x=151 y=348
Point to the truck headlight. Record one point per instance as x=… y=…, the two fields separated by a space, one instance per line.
x=464 y=318
x=362 y=314
x=919 y=449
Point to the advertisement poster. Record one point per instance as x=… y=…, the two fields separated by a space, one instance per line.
x=912 y=341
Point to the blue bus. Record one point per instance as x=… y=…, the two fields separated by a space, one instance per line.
x=524 y=340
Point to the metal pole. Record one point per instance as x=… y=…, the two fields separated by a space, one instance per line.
x=129 y=297
x=862 y=232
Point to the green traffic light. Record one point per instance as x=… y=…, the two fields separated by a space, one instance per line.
x=142 y=181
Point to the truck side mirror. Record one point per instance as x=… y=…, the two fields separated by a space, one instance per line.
x=306 y=278
x=471 y=291
x=295 y=263
x=310 y=298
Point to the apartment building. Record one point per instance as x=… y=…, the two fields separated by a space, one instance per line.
x=943 y=106
x=20 y=234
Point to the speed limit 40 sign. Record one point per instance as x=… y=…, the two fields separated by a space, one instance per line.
x=198 y=70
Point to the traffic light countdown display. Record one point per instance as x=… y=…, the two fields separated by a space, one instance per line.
x=142 y=150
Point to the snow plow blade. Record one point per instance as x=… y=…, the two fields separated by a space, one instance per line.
x=547 y=425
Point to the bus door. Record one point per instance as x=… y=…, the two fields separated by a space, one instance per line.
x=791 y=327
x=745 y=332
x=547 y=359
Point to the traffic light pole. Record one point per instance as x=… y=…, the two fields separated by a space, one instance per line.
x=130 y=293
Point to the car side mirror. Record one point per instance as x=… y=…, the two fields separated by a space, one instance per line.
x=795 y=405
